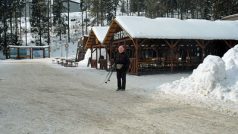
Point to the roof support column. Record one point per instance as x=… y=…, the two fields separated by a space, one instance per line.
x=137 y=49
x=100 y=54
x=43 y=52
x=18 y=53
x=173 y=59
x=31 y=53
x=49 y=52
x=106 y=49
x=230 y=43
x=91 y=60
x=203 y=44
x=96 y=58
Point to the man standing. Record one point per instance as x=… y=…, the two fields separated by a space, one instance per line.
x=122 y=63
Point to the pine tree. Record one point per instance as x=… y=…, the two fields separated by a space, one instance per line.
x=152 y=8
x=39 y=19
x=103 y=10
x=137 y=6
x=58 y=20
x=123 y=7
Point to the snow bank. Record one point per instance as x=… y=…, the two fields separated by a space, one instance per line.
x=215 y=78
x=84 y=62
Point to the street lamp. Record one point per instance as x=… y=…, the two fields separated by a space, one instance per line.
x=68 y=23
x=82 y=8
x=26 y=22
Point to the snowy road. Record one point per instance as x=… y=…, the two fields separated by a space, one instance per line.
x=38 y=99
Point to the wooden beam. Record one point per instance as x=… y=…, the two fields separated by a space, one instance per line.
x=202 y=43
x=172 y=44
x=229 y=43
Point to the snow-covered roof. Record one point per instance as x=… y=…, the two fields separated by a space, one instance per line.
x=100 y=32
x=96 y=32
x=171 y=28
x=77 y=1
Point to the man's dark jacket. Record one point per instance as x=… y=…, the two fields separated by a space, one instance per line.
x=122 y=58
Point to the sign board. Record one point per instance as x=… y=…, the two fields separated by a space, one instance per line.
x=66 y=45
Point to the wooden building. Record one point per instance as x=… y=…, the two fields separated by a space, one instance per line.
x=169 y=44
x=98 y=51
x=29 y=52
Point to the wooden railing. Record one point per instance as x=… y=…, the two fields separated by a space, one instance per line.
x=161 y=64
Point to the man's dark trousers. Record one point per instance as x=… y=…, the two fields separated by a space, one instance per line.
x=121 y=79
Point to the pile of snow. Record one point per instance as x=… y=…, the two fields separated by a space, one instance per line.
x=215 y=78
x=84 y=62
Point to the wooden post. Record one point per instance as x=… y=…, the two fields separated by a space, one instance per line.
x=91 y=55
x=96 y=58
x=29 y=49
x=18 y=53
x=172 y=45
x=203 y=45
x=110 y=49
x=49 y=52
x=31 y=55
x=106 y=57
x=137 y=47
x=43 y=52
x=100 y=53
x=230 y=44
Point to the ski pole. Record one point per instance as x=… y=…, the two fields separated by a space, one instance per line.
x=107 y=75
x=110 y=73
x=108 y=79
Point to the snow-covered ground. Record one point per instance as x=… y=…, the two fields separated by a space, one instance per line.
x=44 y=98
x=60 y=99
x=214 y=82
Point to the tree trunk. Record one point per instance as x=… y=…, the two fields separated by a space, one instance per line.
x=16 y=21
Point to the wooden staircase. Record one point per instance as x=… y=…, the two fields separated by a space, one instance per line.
x=80 y=53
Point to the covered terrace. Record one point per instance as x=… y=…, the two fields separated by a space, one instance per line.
x=170 y=44
x=95 y=44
